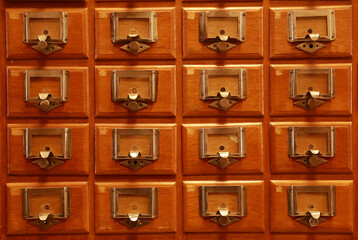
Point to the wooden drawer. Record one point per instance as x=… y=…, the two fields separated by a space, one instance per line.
x=76 y=222
x=163 y=106
x=164 y=164
x=327 y=79
x=165 y=222
x=280 y=47
x=77 y=39
x=162 y=48
x=193 y=164
x=252 y=222
x=311 y=236
x=250 y=84
x=162 y=236
x=217 y=236
x=342 y=222
x=47 y=80
x=341 y=162
x=252 y=47
x=76 y=164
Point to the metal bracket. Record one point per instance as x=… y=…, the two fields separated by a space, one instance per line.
x=134 y=220
x=310 y=37
x=133 y=158
x=133 y=100
x=46 y=217
x=221 y=158
x=223 y=216
x=224 y=98
x=45 y=43
x=45 y=101
x=46 y=159
x=311 y=157
x=310 y=216
x=133 y=39
x=222 y=41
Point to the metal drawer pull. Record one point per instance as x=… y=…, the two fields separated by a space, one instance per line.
x=58 y=146
x=232 y=27
x=313 y=199
x=222 y=214
x=54 y=206
x=311 y=156
x=310 y=27
x=138 y=212
x=48 y=36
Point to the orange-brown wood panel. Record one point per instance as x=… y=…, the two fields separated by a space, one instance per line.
x=251 y=106
x=164 y=106
x=76 y=106
x=165 y=164
x=78 y=164
x=194 y=49
x=75 y=48
x=219 y=236
x=282 y=104
x=282 y=163
x=164 y=48
x=164 y=223
x=342 y=222
x=253 y=222
x=311 y=236
x=163 y=236
x=78 y=222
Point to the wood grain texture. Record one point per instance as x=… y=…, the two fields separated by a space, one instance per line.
x=77 y=165
x=194 y=222
x=340 y=47
x=76 y=47
x=78 y=222
x=219 y=236
x=164 y=223
x=311 y=236
x=165 y=106
x=164 y=48
x=166 y=164
x=342 y=222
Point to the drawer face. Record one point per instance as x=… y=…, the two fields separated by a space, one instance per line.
x=252 y=222
x=47 y=80
x=306 y=77
x=341 y=162
x=341 y=46
x=76 y=222
x=76 y=164
x=236 y=236
x=76 y=46
x=161 y=48
x=252 y=47
x=340 y=223
x=193 y=164
x=164 y=164
x=165 y=222
x=310 y=236
x=251 y=105
x=163 y=106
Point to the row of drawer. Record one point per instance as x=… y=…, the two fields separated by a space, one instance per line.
x=208 y=206
x=144 y=33
x=208 y=90
x=147 y=149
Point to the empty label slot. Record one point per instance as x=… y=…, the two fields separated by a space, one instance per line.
x=217 y=26
x=306 y=141
x=44 y=26
x=223 y=83
x=312 y=201
x=132 y=203
x=222 y=143
x=311 y=25
x=133 y=26
x=46 y=203
x=45 y=85
x=226 y=200
x=137 y=143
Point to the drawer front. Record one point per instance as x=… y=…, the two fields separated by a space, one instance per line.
x=76 y=164
x=77 y=39
x=214 y=236
x=310 y=236
x=252 y=222
x=193 y=164
x=249 y=105
x=163 y=106
x=251 y=47
x=162 y=48
x=341 y=162
x=164 y=164
x=341 y=46
x=340 y=223
x=286 y=79
x=165 y=222
x=76 y=84
x=76 y=222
